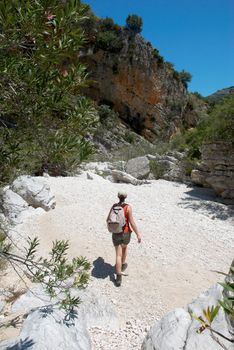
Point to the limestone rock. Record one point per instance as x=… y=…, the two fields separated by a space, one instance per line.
x=138 y=167
x=216 y=169
x=170 y=333
x=34 y=191
x=178 y=330
x=12 y=205
x=48 y=328
x=121 y=176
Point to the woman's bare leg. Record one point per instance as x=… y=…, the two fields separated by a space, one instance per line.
x=118 y=264
x=124 y=253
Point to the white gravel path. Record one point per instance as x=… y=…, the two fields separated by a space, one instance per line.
x=185 y=235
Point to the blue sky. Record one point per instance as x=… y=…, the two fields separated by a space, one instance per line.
x=195 y=35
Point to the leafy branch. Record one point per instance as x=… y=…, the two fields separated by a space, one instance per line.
x=58 y=275
x=227 y=304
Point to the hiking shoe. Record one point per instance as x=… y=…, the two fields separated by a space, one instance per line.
x=118 y=280
x=124 y=266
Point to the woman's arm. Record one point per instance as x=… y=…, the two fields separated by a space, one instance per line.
x=133 y=224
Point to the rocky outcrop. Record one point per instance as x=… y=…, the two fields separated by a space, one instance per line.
x=34 y=191
x=112 y=173
x=22 y=198
x=216 y=169
x=178 y=329
x=146 y=92
x=170 y=166
x=47 y=327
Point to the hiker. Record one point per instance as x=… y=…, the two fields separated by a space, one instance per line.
x=122 y=239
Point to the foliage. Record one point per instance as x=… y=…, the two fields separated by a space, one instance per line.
x=130 y=136
x=90 y=26
x=41 y=81
x=140 y=147
x=107 y=24
x=108 y=35
x=56 y=273
x=185 y=78
x=107 y=114
x=198 y=95
x=134 y=23
x=220 y=124
x=156 y=54
x=227 y=304
x=109 y=41
x=217 y=126
x=156 y=169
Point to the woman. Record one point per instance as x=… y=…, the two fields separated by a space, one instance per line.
x=121 y=240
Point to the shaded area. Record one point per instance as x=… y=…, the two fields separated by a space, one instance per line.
x=205 y=201
x=68 y=319
x=46 y=311
x=27 y=343
x=101 y=269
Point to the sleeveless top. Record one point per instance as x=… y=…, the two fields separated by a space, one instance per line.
x=127 y=228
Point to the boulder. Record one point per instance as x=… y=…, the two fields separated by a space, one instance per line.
x=34 y=191
x=138 y=167
x=198 y=178
x=216 y=169
x=178 y=329
x=95 y=310
x=121 y=176
x=12 y=206
x=169 y=333
x=48 y=328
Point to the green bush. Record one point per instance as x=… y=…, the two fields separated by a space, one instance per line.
x=109 y=41
x=160 y=59
x=107 y=114
x=156 y=169
x=40 y=84
x=217 y=126
x=129 y=136
x=134 y=23
x=107 y=24
x=185 y=78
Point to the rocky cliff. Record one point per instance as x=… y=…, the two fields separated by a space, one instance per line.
x=135 y=81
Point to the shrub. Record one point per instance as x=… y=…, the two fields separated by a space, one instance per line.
x=107 y=115
x=156 y=169
x=107 y=24
x=170 y=65
x=185 y=78
x=109 y=41
x=41 y=78
x=134 y=23
x=64 y=275
x=198 y=95
x=129 y=136
x=217 y=126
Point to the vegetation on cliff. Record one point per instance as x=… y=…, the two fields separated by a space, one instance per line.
x=217 y=126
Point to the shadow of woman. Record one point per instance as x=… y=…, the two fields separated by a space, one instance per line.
x=101 y=269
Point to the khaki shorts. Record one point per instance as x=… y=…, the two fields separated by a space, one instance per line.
x=121 y=238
